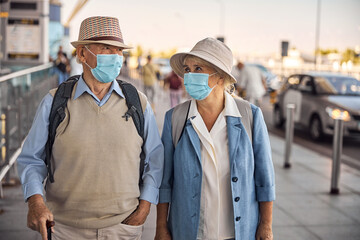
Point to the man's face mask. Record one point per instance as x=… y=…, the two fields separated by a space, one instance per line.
x=108 y=66
x=196 y=84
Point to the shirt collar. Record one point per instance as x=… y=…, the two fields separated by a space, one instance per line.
x=83 y=87
x=193 y=111
x=230 y=108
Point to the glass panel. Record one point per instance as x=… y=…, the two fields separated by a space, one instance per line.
x=19 y=98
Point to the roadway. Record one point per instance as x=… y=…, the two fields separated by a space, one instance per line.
x=351 y=146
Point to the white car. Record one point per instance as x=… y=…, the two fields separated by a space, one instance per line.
x=318 y=99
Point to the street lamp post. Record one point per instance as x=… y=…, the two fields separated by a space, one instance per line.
x=317 y=32
x=222 y=21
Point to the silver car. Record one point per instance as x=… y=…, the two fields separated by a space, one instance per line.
x=319 y=98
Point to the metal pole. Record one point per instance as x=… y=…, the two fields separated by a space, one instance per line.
x=289 y=133
x=3 y=149
x=222 y=18
x=317 y=32
x=19 y=128
x=19 y=115
x=336 y=157
x=7 y=139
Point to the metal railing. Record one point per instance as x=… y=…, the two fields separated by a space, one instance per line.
x=20 y=94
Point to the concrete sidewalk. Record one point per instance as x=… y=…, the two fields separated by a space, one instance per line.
x=303 y=210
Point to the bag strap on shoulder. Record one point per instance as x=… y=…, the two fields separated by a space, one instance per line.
x=181 y=112
x=135 y=111
x=247 y=116
x=134 y=106
x=57 y=115
x=178 y=120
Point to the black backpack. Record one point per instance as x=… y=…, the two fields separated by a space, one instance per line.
x=57 y=115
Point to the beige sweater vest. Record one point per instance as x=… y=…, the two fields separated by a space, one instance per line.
x=96 y=164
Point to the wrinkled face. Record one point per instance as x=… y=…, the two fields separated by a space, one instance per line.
x=86 y=56
x=193 y=66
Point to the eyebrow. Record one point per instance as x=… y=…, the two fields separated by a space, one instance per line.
x=195 y=65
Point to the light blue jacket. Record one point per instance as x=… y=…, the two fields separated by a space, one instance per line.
x=252 y=176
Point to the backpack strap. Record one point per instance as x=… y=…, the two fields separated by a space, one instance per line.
x=181 y=112
x=178 y=120
x=246 y=115
x=135 y=111
x=57 y=115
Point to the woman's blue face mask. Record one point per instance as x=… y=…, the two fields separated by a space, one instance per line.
x=107 y=68
x=197 y=85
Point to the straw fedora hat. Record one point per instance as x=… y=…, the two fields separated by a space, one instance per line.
x=98 y=29
x=209 y=49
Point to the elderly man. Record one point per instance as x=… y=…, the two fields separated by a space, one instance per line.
x=96 y=192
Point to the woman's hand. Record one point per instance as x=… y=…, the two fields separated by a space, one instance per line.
x=264 y=232
x=162 y=233
x=138 y=217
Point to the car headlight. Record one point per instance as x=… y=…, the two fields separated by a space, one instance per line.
x=336 y=113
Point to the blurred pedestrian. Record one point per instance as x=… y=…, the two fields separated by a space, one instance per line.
x=236 y=72
x=149 y=73
x=218 y=178
x=251 y=83
x=95 y=186
x=76 y=67
x=62 y=66
x=124 y=73
x=175 y=83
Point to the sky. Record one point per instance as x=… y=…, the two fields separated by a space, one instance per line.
x=249 y=26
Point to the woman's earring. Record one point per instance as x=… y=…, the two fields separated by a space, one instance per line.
x=231 y=89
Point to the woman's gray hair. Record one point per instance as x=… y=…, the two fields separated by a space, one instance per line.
x=228 y=82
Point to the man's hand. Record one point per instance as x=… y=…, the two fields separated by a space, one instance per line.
x=38 y=214
x=264 y=232
x=138 y=217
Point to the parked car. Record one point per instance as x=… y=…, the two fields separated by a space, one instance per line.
x=273 y=82
x=317 y=96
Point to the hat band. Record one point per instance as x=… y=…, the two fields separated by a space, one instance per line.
x=105 y=38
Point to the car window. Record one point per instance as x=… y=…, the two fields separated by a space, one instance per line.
x=305 y=84
x=337 y=85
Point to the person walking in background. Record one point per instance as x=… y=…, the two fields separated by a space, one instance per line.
x=251 y=83
x=62 y=66
x=96 y=185
x=236 y=72
x=124 y=73
x=149 y=73
x=175 y=83
x=76 y=67
x=218 y=178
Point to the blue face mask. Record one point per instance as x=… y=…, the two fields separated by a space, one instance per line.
x=196 y=84
x=107 y=68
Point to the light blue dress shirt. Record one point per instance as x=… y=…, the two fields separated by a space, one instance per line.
x=31 y=165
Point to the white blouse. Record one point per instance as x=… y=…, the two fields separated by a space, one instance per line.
x=216 y=209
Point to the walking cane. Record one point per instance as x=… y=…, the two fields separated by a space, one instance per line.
x=49 y=224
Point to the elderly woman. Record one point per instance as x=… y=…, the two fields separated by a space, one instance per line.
x=218 y=176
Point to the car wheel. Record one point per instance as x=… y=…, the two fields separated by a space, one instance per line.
x=315 y=129
x=278 y=120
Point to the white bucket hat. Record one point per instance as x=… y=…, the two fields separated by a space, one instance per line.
x=209 y=49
